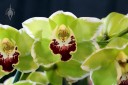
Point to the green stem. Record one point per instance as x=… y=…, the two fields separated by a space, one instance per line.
x=82 y=82
x=17 y=76
x=24 y=76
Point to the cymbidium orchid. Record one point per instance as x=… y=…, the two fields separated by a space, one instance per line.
x=114 y=25
x=14 y=51
x=62 y=42
x=109 y=66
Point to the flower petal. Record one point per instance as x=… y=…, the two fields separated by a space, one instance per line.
x=118 y=42
x=115 y=23
x=25 y=50
x=53 y=77
x=71 y=70
x=42 y=53
x=100 y=59
x=38 y=27
x=8 y=32
x=2 y=73
x=85 y=28
x=25 y=82
x=38 y=77
x=61 y=17
x=9 y=81
x=84 y=49
x=105 y=75
x=9 y=52
x=26 y=64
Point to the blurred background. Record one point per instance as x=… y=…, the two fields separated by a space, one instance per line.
x=25 y=9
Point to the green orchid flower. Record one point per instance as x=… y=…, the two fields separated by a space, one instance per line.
x=114 y=25
x=62 y=42
x=14 y=51
x=109 y=66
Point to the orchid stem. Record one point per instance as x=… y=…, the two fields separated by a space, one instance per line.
x=17 y=76
x=24 y=76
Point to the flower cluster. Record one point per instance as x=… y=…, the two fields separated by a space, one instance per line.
x=46 y=50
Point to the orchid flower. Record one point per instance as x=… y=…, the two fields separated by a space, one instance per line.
x=114 y=25
x=108 y=65
x=14 y=52
x=62 y=42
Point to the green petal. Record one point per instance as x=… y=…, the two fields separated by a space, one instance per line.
x=8 y=32
x=25 y=82
x=2 y=73
x=42 y=53
x=61 y=17
x=71 y=70
x=85 y=28
x=26 y=64
x=84 y=49
x=105 y=76
x=38 y=27
x=114 y=24
x=25 y=51
x=9 y=81
x=100 y=59
x=24 y=42
x=53 y=77
x=38 y=77
x=118 y=43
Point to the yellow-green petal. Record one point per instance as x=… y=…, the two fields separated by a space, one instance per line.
x=61 y=17
x=2 y=73
x=118 y=43
x=38 y=27
x=84 y=49
x=105 y=75
x=8 y=32
x=100 y=59
x=26 y=62
x=39 y=77
x=53 y=77
x=85 y=28
x=42 y=54
x=25 y=82
x=71 y=70
x=114 y=24
x=9 y=81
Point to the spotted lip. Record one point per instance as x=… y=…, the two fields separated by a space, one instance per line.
x=124 y=82
x=63 y=50
x=7 y=63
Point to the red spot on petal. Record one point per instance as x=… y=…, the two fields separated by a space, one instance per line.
x=1 y=55
x=124 y=82
x=7 y=63
x=63 y=50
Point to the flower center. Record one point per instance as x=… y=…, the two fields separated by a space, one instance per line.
x=123 y=62
x=7 y=46
x=8 y=54
x=63 y=33
x=124 y=79
x=64 y=43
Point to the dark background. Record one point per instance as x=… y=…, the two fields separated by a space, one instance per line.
x=25 y=9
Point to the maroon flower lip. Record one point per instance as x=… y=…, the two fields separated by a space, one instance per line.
x=7 y=63
x=63 y=50
x=124 y=82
